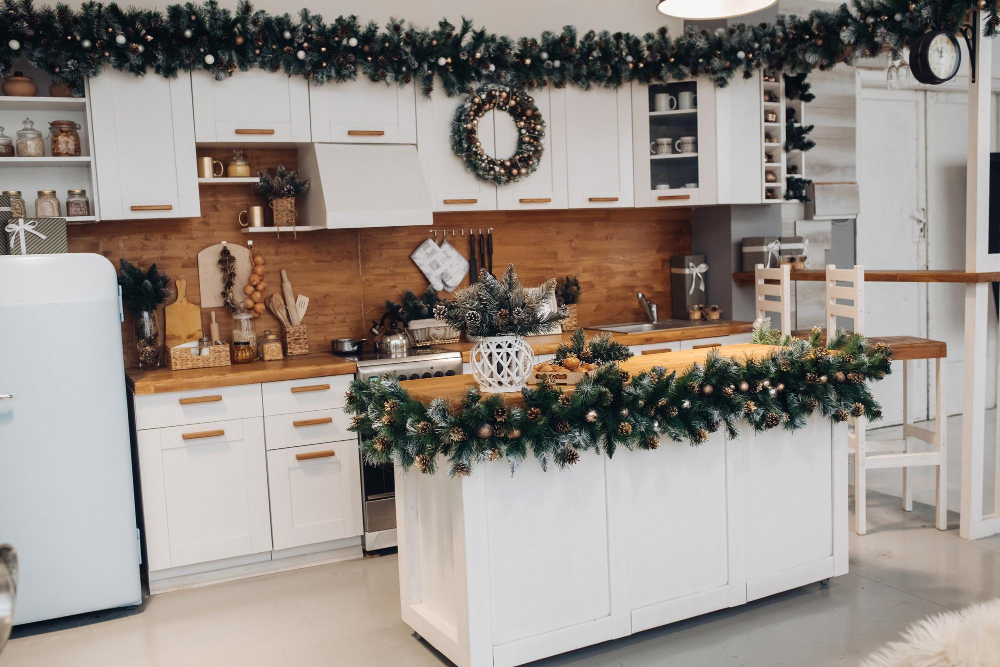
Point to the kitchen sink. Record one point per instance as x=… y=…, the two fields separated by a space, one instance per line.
x=640 y=327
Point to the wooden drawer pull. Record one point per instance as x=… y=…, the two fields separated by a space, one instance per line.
x=461 y=201
x=537 y=200
x=322 y=454
x=365 y=133
x=214 y=398
x=672 y=197
x=657 y=351
x=600 y=199
x=153 y=207
x=253 y=131
x=702 y=347
x=310 y=387
x=312 y=422
x=203 y=434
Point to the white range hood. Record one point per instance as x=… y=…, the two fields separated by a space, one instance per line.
x=364 y=185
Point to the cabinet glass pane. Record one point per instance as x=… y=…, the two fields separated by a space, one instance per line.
x=673 y=135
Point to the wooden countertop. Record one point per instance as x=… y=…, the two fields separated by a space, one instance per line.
x=290 y=368
x=744 y=278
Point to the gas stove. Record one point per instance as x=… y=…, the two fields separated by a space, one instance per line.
x=421 y=362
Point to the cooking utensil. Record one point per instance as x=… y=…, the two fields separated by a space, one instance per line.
x=391 y=338
x=286 y=289
x=277 y=307
x=214 y=329
x=183 y=318
x=489 y=250
x=473 y=271
x=482 y=249
x=347 y=344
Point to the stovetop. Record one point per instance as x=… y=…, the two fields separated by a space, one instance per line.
x=419 y=362
x=370 y=356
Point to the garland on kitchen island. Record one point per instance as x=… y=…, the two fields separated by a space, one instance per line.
x=71 y=44
x=612 y=409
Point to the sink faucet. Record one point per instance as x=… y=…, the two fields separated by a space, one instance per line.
x=650 y=307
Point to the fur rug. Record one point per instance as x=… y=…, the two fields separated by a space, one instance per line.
x=966 y=638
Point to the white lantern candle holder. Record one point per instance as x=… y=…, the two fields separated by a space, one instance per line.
x=501 y=363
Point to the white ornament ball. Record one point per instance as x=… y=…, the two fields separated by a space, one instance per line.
x=544 y=55
x=442 y=61
x=629 y=59
x=209 y=59
x=301 y=55
x=14 y=45
x=353 y=41
x=492 y=67
x=741 y=54
x=557 y=64
x=85 y=43
x=287 y=34
x=120 y=39
x=898 y=16
x=188 y=34
x=141 y=48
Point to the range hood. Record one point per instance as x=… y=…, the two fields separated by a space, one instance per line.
x=364 y=185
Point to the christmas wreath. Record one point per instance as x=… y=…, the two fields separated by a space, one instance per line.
x=530 y=132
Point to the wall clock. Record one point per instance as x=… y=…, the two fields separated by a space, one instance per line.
x=935 y=57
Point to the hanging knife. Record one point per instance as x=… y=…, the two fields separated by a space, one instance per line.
x=473 y=271
x=482 y=249
x=489 y=250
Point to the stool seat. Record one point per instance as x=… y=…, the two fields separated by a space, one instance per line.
x=904 y=348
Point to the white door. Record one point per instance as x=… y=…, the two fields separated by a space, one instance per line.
x=251 y=107
x=363 y=112
x=144 y=146
x=599 y=148
x=545 y=188
x=890 y=232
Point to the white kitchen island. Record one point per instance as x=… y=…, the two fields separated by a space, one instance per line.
x=497 y=569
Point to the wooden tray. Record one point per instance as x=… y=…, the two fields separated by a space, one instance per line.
x=559 y=378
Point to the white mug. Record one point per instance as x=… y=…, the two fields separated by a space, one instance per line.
x=688 y=100
x=662 y=146
x=690 y=185
x=662 y=186
x=686 y=145
x=664 y=102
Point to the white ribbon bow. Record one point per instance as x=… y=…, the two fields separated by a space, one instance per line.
x=22 y=226
x=698 y=272
x=772 y=249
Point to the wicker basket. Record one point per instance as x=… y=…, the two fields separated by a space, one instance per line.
x=181 y=359
x=284 y=211
x=296 y=340
x=431 y=332
x=569 y=324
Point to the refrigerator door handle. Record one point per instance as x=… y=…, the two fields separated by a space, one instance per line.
x=5 y=397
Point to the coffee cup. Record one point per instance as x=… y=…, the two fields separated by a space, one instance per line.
x=662 y=146
x=662 y=186
x=664 y=102
x=690 y=186
x=254 y=217
x=207 y=166
x=687 y=100
x=686 y=145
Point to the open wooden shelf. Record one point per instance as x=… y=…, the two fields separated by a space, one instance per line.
x=673 y=156
x=223 y=180
x=279 y=230
x=42 y=103
x=45 y=161
x=745 y=278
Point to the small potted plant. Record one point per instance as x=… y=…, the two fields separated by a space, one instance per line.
x=142 y=293
x=568 y=295
x=418 y=314
x=499 y=312
x=281 y=191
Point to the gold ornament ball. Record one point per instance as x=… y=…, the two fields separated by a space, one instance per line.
x=744 y=386
x=823 y=379
x=513 y=172
x=485 y=431
x=707 y=389
x=239 y=40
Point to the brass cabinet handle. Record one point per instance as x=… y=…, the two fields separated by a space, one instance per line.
x=322 y=454
x=312 y=422
x=600 y=199
x=214 y=398
x=670 y=197
x=153 y=207
x=253 y=131
x=702 y=347
x=537 y=200
x=657 y=351
x=310 y=387
x=365 y=133
x=203 y=434
x=461 y=201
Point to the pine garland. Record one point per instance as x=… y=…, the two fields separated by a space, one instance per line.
x=601 y=349
x=612 y=409
x=71 y=44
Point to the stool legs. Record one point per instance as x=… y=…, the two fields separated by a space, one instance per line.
x=860 y=481
x=907 y=489
x=941 y=445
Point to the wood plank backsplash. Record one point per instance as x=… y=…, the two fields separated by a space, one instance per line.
x=348 y=274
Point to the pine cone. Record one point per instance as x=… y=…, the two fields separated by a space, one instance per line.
x=423 y=462
x=440 y=310
x=473 y=317
x=391 y=405
x=625 y=429
x=785 y=365
x=750 y=407
x=562 y=426
x=460 y=470
x=356 y=422
x=388 y=419
x=500 y=415
x=456 y=434
x=786 y=417
x=700 y=436
x=673 y=411
x=812 y=378
x=882 y=347
x=380 y=444
x=858 y=409
x=350 y=396
x=494 y=454
x=425 y=428
x=565 y=400
x=875 y=413
x=856 y=378
x=625 y=376
x=652 y=442
x=534 y=415
x=570 y=456
x=662 y=402
x=841 y=415
x=758 y=387
x=812 y=403
x=728 y=392
x=772 y=419
x=849 y=358
x=585 y=354
x=503 y=314
x=693 y=387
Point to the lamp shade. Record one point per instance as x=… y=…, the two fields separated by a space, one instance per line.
x=710 y=9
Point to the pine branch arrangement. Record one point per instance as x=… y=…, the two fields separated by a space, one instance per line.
x=796 y=137
x=601 y=349
x=796 y=188
x=499 y=307
x=142 y=290
x=283 y=184
x=416 y=307
x=764 y=334
x=568 y=291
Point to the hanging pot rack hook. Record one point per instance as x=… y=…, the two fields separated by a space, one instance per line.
x=971 y=35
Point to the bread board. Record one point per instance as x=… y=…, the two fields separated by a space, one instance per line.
x=210 y=276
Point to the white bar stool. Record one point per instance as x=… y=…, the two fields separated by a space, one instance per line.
x=773 y=294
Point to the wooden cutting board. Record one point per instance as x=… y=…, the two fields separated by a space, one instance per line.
x=183 y=318
x=210 y=276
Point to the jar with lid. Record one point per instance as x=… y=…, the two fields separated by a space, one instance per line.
x=17 y=207
x=65 y=139
x=244 y=337
x=270 y=347
x=239 y=166
x=6 y=145
x=47 y=205
x=77 y=204
x=29 y=141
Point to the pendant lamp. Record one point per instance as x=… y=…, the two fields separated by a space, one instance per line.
x=710 y=9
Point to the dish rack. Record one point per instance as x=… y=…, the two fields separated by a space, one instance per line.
x=423 y=333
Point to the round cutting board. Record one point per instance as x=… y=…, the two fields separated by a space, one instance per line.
x=210 y=276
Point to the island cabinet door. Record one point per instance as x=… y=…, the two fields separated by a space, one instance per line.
x=545 y=188
x=251 y=107
x=204 y=492
x=144 y=146
x=684 y=535
x=599 y=148
x=363 y=112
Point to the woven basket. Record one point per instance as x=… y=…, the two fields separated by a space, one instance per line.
x=569 y=324
x=431 y=332
x=284 y=211
x=296 y=340
x=181 y=359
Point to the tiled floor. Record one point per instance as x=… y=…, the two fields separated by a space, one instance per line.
x=348 y=613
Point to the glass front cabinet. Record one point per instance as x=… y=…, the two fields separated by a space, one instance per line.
x=673 y=127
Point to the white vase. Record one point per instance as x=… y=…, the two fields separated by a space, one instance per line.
x=501 y=363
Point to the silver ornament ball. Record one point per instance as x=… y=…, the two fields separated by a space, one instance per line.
x=442 y=61
x=353 y=41
x=14 y=45
x=120 y=39
x=209 y=59
x=188 y=34
x=300 y=54
x=85 y=43
x=287 y=34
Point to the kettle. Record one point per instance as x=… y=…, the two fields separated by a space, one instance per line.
x=391 y=338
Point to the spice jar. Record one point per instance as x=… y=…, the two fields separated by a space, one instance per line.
x=17 y=207
x=47 y=205
x=77 y=204
x=6 y=145
x=29 y=141
x=64 y=138
x=270 y=347
x=239 y=166
x=244 y=337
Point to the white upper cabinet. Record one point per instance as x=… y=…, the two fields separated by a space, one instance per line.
x=251 y=107
x=546 y=187
x=452 y=187
x=144 y=146
x=739 y=137
x=363 y=112
x=599 y=147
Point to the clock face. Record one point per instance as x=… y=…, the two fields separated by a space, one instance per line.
x=942 y=56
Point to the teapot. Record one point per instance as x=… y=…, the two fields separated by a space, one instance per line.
x=391 y=338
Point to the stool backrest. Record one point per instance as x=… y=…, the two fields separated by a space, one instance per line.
x=836 y=294
x=780 y=291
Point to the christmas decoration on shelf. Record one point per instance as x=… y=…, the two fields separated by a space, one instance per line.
x=601 y=349
x=568 y=295
x=71 y=44
x=417 y=307
x=530 y=133
x=763 y=334
x=610 y=409
x=797 y=88
x=281 y=191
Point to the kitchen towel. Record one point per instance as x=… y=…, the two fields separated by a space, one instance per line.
x=430 y=260
x=34 y=236
x=455 y=267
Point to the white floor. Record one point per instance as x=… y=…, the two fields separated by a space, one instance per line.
x=348 y=613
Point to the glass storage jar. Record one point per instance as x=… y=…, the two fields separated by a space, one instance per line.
x=239 y=166
x=47 y=205
x=29 y=141
x=64 y=138
x=244 y=337
x=77 y=204
x=17 y=207
x=270 y=347
x=6 y=145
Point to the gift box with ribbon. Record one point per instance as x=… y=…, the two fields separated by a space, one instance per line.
x=687 y=283
x=33 y=236
x=764 y=250
x=792 y=246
